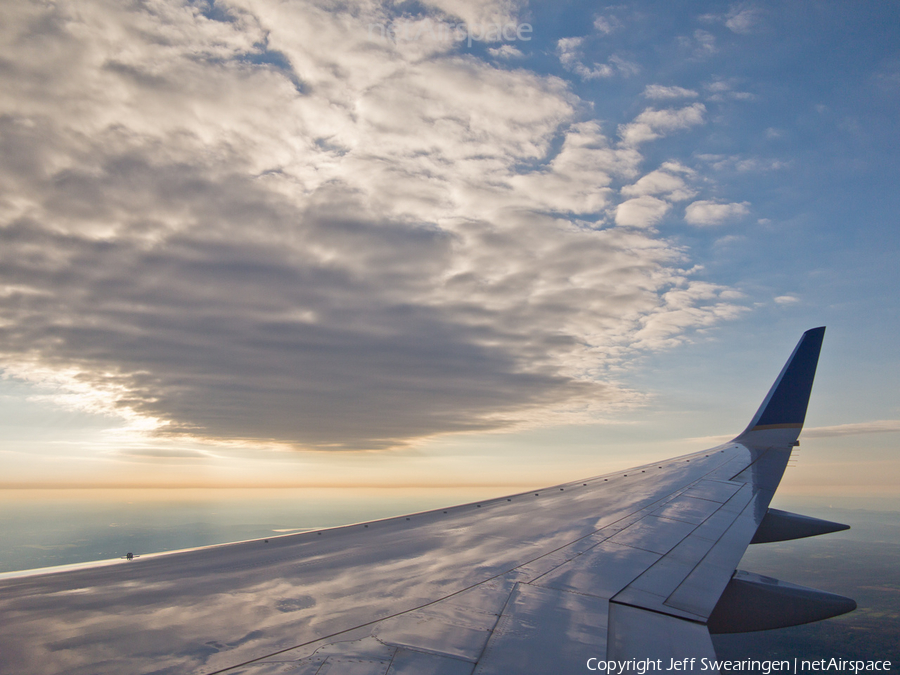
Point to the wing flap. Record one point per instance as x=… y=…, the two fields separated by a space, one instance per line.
x=449 y=628
x=714 y=490
x=668 y=586
x=700 y=590
x=407 y=662
x=546 y=630
x=365 y=656
x=641 y=634
x=601 y=572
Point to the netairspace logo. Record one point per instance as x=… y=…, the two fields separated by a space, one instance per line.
x=441 y=31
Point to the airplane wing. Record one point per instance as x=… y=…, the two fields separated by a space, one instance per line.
x=639 y=564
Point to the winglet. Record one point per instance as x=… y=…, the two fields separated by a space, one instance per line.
x=781 y=415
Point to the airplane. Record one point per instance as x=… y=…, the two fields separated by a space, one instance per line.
x=637 y=566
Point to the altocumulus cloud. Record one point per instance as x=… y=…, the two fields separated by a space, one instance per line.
x=706 y=213
x=216 y=221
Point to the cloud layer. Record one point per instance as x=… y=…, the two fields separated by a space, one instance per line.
x=216 y=223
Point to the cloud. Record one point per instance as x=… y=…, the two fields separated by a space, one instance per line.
x=665 y=325
x=479 y=12
x=787 y=299
x=577 y=179
x=702 y=44
x=661 y=182
x=706 y=213
x=161 y=453
x=658 y=91
x=887 y=75
x=730 y=240
x=605 y=25
x=222 y=227
x=505 y=52
x=644 y=211
x=759 y=165
x=742 y=164
x=569 y=51
x=722 y=90
x=743 y=19
x=853 y=429
x=652 y=124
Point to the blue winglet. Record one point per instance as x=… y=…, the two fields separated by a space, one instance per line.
x=785 y=405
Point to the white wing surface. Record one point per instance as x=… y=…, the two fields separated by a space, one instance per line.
x=634 y=565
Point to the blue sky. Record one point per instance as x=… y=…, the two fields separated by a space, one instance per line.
x=255 y=243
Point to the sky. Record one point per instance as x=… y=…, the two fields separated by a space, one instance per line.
x=258 y=243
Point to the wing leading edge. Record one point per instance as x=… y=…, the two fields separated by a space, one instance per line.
x=634 y=565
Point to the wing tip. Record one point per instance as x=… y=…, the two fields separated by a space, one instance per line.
x=784 y=407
